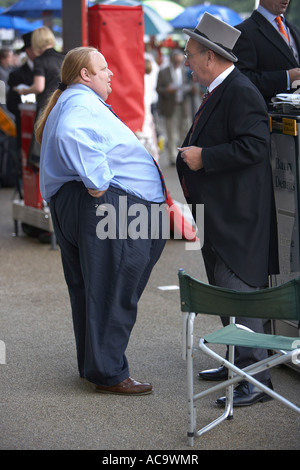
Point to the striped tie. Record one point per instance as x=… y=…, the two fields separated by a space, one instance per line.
x=202 y=106
x=205 y=99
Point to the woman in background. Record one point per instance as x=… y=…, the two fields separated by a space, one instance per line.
x=46 y=76
x=47 y=66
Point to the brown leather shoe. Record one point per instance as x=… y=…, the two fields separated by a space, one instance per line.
x=127 y=387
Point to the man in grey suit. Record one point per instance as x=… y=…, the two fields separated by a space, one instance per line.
x=268 y=57
x=174 y=102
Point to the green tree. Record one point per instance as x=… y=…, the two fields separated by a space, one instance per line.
x=240 y=6
x=6 y=3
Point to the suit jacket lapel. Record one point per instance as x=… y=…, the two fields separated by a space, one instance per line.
x=273 y=36
x=296 y=37
x=204 y=117
x=209 y=108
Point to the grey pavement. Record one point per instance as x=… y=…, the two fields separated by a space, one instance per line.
x=46 y=406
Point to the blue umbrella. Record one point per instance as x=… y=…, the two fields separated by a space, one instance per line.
x=34 y=8
x=191 y=16
x=21 y=25
x=18 y=24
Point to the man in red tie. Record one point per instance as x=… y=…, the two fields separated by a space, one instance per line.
x=268 y=49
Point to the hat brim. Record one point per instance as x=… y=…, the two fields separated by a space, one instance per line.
x=18 y=51
x=211 y=45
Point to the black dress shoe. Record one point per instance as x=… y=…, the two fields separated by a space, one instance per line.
x=246 y=394
x=214 y=374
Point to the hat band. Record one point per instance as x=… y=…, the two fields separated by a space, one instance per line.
x=216 y=43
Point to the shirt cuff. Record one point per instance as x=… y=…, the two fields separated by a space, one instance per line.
x=288 y=81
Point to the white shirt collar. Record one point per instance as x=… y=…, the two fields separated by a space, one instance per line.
x=30 y=63
x=266 y=14
x=217 y=81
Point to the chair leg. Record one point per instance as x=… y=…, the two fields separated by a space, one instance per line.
x=185 y=317
x=229 y=389
x=188 y=338
x=190 y=378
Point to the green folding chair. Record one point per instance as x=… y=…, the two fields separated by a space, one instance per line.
x=281 y=302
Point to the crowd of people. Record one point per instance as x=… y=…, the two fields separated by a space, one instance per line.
x=89 y=159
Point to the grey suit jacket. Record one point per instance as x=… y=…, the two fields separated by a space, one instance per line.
x=167 y=100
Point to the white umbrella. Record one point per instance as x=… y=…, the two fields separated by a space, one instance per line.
x=165 y=8
x=154 y=24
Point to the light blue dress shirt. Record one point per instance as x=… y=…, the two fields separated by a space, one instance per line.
x=84 y=141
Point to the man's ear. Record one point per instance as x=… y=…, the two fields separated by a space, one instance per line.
x=84 y=73
x=210 y=56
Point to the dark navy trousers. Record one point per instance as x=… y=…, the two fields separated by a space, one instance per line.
x=105 y=276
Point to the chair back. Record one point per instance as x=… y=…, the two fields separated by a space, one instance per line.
x=278 y=303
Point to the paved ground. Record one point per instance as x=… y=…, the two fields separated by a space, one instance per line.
x=46 y=406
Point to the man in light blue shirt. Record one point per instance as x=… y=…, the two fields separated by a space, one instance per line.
x=103 y=149
x=97 y=176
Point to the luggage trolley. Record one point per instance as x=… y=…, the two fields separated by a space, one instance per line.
x=31 y=210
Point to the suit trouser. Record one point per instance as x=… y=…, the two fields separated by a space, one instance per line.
x=105 y=278
x=220 y=275
x=177 y=127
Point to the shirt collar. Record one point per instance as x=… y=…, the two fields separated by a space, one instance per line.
x=266 y=14
x=217 y=81
x=80 y=86
x=30 y=63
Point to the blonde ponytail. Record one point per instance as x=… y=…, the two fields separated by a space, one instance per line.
x=41 y=121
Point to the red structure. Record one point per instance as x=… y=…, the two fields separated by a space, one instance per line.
x=30 y=175
x=118 y=33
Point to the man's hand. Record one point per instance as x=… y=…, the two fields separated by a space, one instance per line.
x=20 y=91
x=294 y=76
x=192 y=156
x=95 y=192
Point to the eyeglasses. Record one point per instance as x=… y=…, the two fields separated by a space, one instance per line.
x=188 y=56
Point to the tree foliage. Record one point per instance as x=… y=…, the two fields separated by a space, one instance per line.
x=6 y=3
